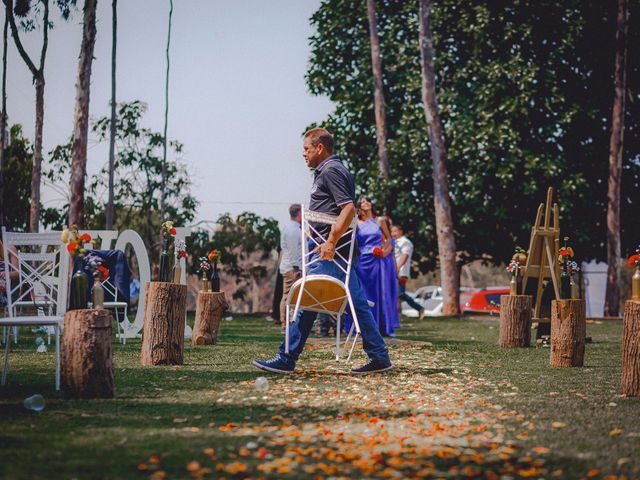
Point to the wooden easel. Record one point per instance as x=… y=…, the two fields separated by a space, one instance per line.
x=542 y=260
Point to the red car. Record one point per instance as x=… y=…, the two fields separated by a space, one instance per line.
x=484 y=301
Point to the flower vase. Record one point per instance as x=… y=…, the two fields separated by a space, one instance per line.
x=574 y=288
x=79 y=286
x=513 y=285
x=205 y=282
x=98 y=293
x=565 y=286
x=177 y=273
x=215 y=277
x=635 y=285
x=164 y=272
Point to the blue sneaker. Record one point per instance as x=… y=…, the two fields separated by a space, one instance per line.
x=373 y=366
x=275 y=365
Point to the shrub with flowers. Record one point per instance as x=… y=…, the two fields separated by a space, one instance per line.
x=75 y=242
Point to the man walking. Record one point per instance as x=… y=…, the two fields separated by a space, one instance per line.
x=403 y=253
x=291 y=255
x=333 y=192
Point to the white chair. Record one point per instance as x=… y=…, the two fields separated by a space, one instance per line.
x=43 y=269
x=112 y=290
x=323 y=293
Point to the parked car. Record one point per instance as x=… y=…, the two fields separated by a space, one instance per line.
x=485 y=301
x=430 y=297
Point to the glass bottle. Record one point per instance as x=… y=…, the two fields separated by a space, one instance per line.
x=635 y=285
x=98 y=293
x=215 y=277
x=565 y=286
x=513 y=285
x=177 y=272
x=205 y=282
x=164 y=272
x=79 y=286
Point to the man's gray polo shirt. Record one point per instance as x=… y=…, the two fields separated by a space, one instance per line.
x=333 y=186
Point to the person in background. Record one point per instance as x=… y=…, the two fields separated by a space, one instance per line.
x=403 y=253
x=291 y=255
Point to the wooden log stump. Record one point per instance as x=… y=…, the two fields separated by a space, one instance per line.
x=568 y=333
x=630 y=384
x=163 y=332
x=87 y=358
x=209 y=310
x=515 y=321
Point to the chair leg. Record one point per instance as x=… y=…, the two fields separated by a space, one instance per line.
x=15 y=335
x=5 y=367
x=286 y=328
x=355 y=340
x=338 y=328
x=126 y=319
x=57 y=330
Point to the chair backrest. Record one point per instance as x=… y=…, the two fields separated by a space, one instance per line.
x=42 y=267
x=110 y=289
x=311 y=235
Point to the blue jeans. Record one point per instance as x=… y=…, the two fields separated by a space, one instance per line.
x=404 y=296
x=299 y=330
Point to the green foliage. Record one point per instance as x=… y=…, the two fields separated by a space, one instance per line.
x=138 y=176
x=246 y=243
x=525 y=93
x=16 y=171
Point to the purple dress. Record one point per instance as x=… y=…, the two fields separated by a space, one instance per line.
x=378 y=278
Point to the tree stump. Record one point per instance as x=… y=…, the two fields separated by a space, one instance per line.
x=568 y=333
x=163 y=333
x=87 y=360
x=630 y=384
x=209 y=310
x=515 y=321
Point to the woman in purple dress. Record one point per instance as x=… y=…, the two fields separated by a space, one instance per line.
x=376 y=267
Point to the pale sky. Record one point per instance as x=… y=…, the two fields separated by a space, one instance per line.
x=238 y=100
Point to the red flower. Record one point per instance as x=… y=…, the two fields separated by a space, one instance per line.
x=212 y=255
x=183 y=254
x=84 y=238
x=71 y=247
x=173 y=231
x=104 y=272
x=377 y=252
x=633 y=260
x=566 y=251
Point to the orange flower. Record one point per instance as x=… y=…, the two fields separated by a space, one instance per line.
x=566 y=251
x=634 y=260
x=104 y=272
x=173 y=231
x=84 y=238
x=71 y=247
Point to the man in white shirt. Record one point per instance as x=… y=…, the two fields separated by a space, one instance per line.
x=403 y=253
x=291 y=256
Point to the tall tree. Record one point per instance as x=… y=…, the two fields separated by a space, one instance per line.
x=38 y=79
x=81 y=116
x=3 y=114
x=18 y=155
x=449 y=275
x=612 y=297
x=163 y=190
x=378 y=93
x=112 y=130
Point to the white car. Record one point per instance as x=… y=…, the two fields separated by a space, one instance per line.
x=430 y=297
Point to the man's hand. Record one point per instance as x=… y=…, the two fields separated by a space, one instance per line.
x=327 y=250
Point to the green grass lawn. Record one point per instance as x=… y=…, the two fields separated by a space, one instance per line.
x=176 y=412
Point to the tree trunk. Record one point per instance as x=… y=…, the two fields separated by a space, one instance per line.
x=81 y=117
x=568 y=333
x=87 y=361
x=630 y=384
x=515 y=321
x=36 y=171
x=163 y=335
x=3 y=115
x=163 y=188
x=209 y=310
x=112 y=126
x=612 y=297
x=378 y=93
x=442 y=202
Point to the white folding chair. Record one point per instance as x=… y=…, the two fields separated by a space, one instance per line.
x=112 y=290
x=43 y=270
x=323 y=293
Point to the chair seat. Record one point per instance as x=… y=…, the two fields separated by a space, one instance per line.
x=34 y=320
x=322 y=293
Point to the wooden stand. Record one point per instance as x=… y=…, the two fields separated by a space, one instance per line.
x=163 y=334
x=209 y=310
x=515 y=321
x=87 y=363
x=630 y=384
x=568 y=333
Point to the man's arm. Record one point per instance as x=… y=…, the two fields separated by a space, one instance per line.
x=328 y=249
x=401 y=261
